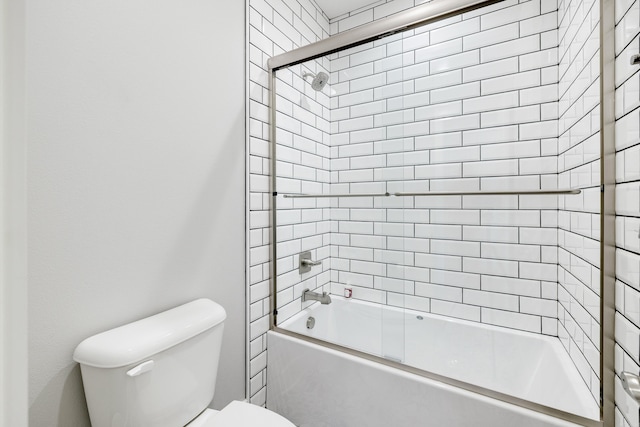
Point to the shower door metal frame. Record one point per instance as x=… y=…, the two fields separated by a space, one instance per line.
x=607 y=212
x=415 y=17
x=432 y=12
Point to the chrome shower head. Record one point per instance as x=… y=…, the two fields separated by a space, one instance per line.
x=319 y=81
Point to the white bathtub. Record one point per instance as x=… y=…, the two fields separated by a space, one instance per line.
x=315 y=386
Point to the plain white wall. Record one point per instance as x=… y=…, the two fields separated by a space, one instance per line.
x=13 y=289
x=136 y=121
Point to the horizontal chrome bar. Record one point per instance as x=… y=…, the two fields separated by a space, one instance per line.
x=411 y=18
x=326 y=196
x=492 y=193
x=439 y=193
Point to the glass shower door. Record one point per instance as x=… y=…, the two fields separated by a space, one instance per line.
x=452 y=209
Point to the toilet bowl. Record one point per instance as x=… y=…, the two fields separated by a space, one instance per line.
x=240 y=414
x=161 y=372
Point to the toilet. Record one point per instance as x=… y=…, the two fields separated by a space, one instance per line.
x=161 y=372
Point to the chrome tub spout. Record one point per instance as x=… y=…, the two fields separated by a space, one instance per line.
x=307 y=295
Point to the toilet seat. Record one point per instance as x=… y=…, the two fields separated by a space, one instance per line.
x=240 y=414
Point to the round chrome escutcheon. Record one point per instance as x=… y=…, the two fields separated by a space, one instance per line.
x=311 y=322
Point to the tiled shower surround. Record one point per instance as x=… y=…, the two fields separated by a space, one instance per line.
x=579 y=167
x=627 y=108
x=275 y=26
x=495 y=99
x=466 y=104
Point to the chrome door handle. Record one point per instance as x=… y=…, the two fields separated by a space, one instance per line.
x=631 y=384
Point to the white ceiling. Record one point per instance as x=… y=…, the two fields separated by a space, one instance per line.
x=335 y=8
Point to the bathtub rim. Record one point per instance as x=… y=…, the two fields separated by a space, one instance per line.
x=546 y=410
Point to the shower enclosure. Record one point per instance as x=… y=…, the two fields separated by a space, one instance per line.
x=449 y=169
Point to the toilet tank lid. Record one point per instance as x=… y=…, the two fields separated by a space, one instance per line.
x=136 y=341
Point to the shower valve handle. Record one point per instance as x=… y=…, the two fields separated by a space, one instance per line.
x=310 y=262
x=306 y=262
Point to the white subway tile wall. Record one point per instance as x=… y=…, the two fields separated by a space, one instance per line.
x=304 y=125
x=627 y=333
x=578 y=166
x=468 y=103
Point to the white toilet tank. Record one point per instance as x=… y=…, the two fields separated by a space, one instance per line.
x=159 y=371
